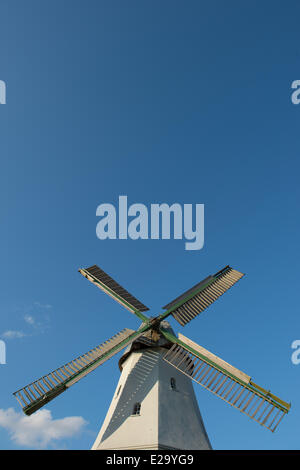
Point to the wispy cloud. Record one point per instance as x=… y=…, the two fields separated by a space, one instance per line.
x=29 y=319
x=38 y=304
x=40 y=430
x=37 y=316
x=37 y=320
x=12 y=334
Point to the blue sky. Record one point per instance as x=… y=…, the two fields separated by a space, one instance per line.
x=186 y=102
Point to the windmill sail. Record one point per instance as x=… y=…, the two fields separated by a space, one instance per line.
x=38 y=393
x=102 y=280
x=213 y=373
x=230 y=384
x=192 y=302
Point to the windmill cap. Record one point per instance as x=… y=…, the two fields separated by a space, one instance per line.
x=146 y=341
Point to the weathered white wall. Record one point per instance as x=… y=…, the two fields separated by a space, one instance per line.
x=169 y=418
x=180 y=421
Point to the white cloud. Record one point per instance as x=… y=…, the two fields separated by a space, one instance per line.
x=38 y=304
x=29 y=319
x=11 y=334
x=39 y=430
x=37 y=318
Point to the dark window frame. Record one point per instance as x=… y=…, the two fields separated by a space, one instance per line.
x=136 y=409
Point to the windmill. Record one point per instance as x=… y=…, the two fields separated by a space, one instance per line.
x=154 y=406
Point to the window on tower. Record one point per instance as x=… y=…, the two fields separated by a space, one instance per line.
x=173 y=383
x=136 y=409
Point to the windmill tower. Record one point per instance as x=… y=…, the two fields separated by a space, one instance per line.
x=154 y=405
x=146 y=397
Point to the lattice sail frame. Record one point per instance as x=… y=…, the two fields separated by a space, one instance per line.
x=41 y=391
x=192 y=302
x=227 y=382
x=107 y=284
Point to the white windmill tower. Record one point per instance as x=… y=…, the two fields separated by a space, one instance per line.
x=154 y=406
